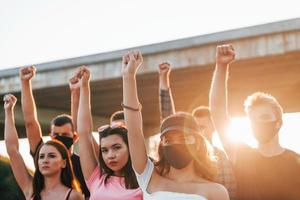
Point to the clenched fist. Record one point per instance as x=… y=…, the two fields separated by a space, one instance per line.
x=164 y=69
x=27 y=73
x=9 y=101
x=131 y=62
x=225 y=55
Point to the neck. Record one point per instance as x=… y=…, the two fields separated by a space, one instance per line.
x=118 y=173
x=271 y=148
x=185 y=174
x=51 y=182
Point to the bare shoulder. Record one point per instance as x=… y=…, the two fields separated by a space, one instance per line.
x=76 y=195
x=216 y=191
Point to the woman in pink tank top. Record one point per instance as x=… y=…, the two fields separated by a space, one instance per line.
x=108 y=172
x=53 y=177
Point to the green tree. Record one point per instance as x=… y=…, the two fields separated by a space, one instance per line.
x=9 y=189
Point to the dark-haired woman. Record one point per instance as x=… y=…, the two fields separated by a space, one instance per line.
x=53 y=177
x=110 y=176
x=185 y=169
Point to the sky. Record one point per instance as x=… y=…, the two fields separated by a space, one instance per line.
x=37 y=31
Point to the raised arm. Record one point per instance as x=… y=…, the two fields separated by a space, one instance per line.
x=33 y=129
x=21 y=174
x=75 y=96
x=166 y=102
x=132 y=111
x=218 y=96
x=88 y=159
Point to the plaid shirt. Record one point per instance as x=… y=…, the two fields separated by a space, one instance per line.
x=225 y=174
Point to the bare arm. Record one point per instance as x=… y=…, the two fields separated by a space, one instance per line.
x=218 y=97
x=133 y=118
x=21 y=174
x=75 y=96
x=166 y=102
x=219 y=193
x=33 y=129
x=88 y=160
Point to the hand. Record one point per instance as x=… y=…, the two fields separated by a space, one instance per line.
x=83 y=75
x=74 y=83
x=9 y=102
x=225 y=55
x=27 y=73
x=131 y=62
x=164 y=69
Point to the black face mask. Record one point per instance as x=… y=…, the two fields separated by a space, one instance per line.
x=177 y=155
x=67 y=141
x=264 y=131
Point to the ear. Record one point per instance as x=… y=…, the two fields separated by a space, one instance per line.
x=64 y=163
x=279 y=124
x=75 y=137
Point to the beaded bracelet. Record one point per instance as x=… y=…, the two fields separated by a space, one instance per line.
x=131 y=108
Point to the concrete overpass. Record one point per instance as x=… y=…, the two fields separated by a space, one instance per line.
x=268 y=59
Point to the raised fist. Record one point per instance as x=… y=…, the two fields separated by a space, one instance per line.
x=74 y=83
x=164 y=69
x=27 y=73
x=83 y=75
x=131 y=62
x=225 y=54
x=9 y=101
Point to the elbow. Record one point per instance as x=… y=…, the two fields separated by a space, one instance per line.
x=12 y=151
x=29 y=123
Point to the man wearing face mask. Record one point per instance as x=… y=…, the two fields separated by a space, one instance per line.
x=269 y=172
x=62 y=126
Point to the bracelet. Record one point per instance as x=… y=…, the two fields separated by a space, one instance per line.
x=131 y=108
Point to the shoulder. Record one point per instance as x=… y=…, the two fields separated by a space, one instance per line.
x=75 y=195
x=214 y=191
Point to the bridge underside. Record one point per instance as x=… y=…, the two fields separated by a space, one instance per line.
x=278 y=75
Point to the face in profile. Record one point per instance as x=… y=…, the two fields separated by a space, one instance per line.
x=50 y=161
x=114 y=152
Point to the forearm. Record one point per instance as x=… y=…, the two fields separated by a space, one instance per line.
x=84 y=118
x=75 y=95
x=134 y=123
x=166 y=103
x=10 y=134
x=28 y=103
x=218 y=93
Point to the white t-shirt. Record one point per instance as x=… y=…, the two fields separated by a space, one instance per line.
x=143 y=180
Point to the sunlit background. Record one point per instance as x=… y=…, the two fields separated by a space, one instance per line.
x=240 y=128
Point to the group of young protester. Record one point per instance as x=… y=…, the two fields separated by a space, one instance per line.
x=118 y=167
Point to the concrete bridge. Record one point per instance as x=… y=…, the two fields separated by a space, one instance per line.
x=268 y=59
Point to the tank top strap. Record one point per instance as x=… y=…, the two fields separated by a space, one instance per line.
x=68 y=194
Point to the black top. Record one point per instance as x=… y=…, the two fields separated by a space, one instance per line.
x=77 y=170
x=267 y=178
